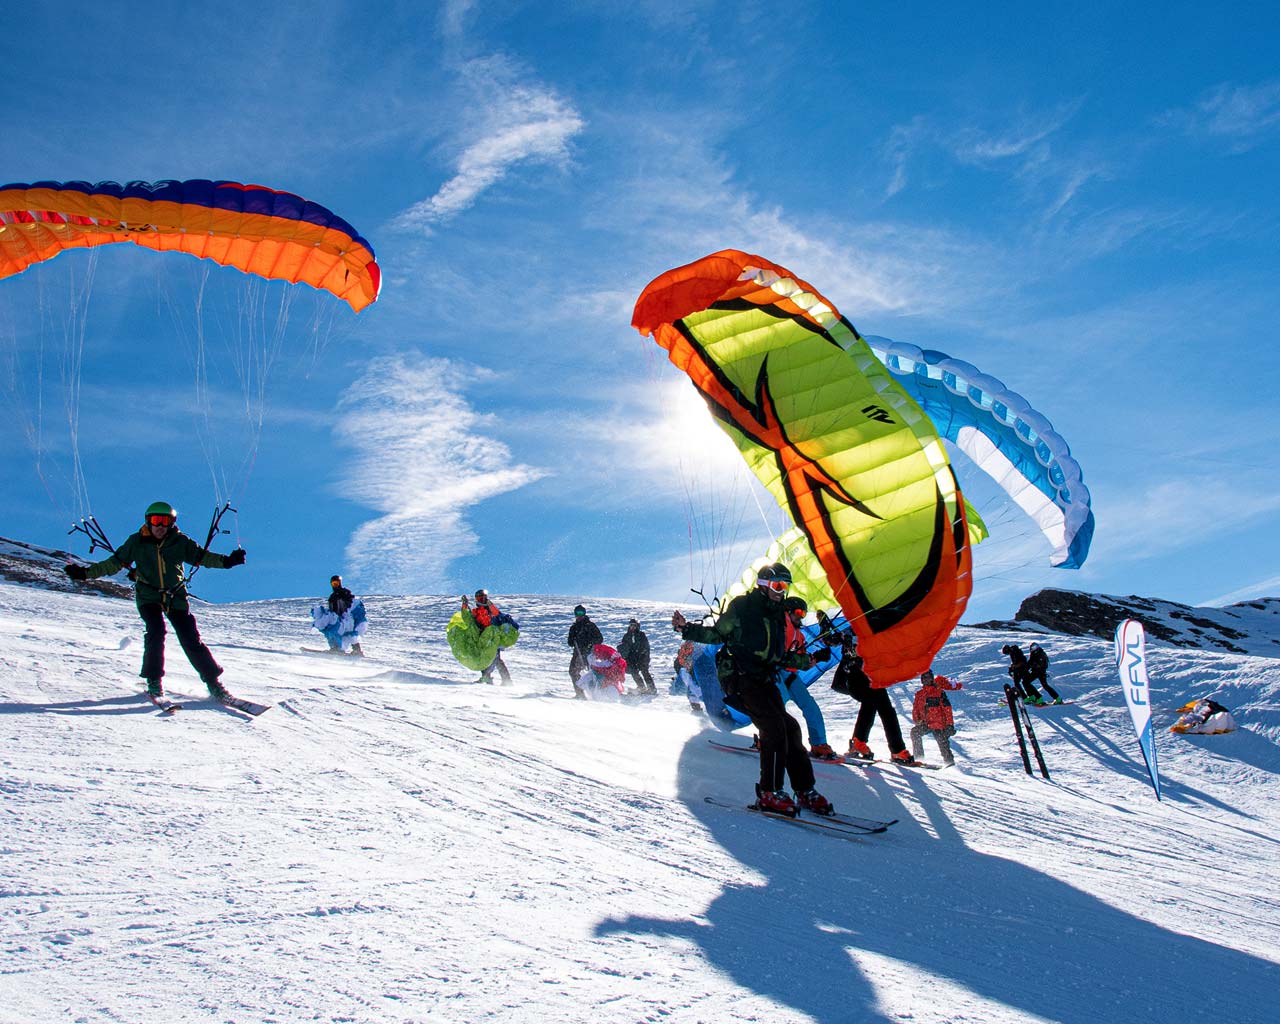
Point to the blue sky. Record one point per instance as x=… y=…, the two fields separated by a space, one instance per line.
x=1079 y=200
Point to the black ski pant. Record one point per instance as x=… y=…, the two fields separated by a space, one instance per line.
x=640 y=676
x=184 y=628
x=1031 y=678
x=577 y=665
x=877 y=702
x=782 y=748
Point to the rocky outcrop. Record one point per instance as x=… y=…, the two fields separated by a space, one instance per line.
x=1251 y=627
x=42 y=567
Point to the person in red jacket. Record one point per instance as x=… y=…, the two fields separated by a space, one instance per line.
x=931 y=713
x=484 y=612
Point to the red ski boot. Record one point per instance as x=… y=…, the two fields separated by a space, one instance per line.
x=815 y=803
x=776 y=802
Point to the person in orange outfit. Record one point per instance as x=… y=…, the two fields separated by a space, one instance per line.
x=931 y=713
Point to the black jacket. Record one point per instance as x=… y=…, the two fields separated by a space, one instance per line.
x=851 y=679
x=340 y=601
x=634 y=646
x=753 y=630
x=584 y=635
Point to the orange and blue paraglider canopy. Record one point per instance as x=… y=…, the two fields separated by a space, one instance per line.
x=262 y=231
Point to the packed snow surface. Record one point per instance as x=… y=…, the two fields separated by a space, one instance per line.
x=392 y=842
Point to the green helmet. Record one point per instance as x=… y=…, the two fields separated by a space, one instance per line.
x=161 y=508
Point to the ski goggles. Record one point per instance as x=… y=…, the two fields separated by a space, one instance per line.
x=160 y=520
x=777 y=586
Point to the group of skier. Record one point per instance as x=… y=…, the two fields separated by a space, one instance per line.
x=595 y=667
x=1026 y=670
x=762 y=651
x=762 y=655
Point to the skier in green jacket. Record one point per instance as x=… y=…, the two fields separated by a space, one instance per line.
x=157 y=553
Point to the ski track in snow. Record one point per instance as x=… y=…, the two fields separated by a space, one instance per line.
x=393 y=843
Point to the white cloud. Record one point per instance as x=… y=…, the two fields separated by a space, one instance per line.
x=1024 y=148
x=1239 y=115
x=506 y=123
x=423 y=461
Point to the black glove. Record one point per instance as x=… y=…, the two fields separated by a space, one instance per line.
x=76 y=572
x=235 y=558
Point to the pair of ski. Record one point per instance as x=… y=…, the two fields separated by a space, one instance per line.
x=248 y=707
x=858 y=762
x=847 y=825
x=1016 y=709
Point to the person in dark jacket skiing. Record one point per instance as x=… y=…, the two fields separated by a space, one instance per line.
x=1021 y=672
x=157 y=553
x=1038 y=668
x=583 y=636
x=753 y=631
x=851 y=679
x=634 y=647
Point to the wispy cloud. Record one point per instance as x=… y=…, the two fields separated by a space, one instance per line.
x=423 y=460
x=508 y=122
x=1239 y=116
x=1252 y=591
x=1023 y=148
x=1178 y=506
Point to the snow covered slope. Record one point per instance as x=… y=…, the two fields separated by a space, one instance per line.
x=393 y=843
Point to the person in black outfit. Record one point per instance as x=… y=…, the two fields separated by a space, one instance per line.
x=634 y=647
x=753 y=631
x=583 y=635
x=1024 y=673
x=851 y=679
x=1038 y=668
x=340 y=598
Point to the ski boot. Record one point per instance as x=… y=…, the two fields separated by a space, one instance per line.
x=755 y=742
x=860 y=750
x=904 y=757
x=355 y=650
x=815 y=803
x=823 y=752
x=1036 y=702
x=776 y=802
x=217 y=691
x=155 y=689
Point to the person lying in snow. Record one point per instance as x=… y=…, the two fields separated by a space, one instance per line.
x=1204 y=716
